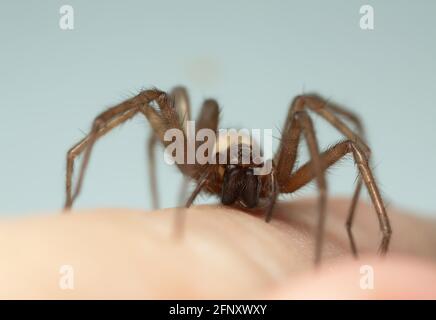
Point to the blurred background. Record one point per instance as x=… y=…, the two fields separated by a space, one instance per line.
x=252 y=56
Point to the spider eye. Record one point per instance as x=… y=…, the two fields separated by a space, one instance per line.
x=231 y=186
x=250 y=194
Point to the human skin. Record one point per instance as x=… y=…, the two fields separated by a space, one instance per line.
x=223 y=253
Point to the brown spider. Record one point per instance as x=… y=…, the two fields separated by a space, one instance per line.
x=235 y=183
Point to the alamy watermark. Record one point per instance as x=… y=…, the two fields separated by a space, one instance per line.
x=227 y=146
x=367 y=19
x=66 y=20
x=366 y=277
x=66 y=280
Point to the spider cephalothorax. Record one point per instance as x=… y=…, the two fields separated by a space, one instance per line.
x=239 y=182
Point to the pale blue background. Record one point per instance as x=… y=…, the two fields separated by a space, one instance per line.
x=253 y=56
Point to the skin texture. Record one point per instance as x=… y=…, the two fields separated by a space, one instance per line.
x=223 y=253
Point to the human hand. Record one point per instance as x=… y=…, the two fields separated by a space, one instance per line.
x=224 y=253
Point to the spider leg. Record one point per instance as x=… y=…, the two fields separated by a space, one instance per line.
x=209 y=116
x=183 y=111
x=200 y=185
x=152 y=175
x=84 y=145
x=102 y=124
x=274 y=192
x=180 y=215
x=329 y=111
x=298 y=123
x=353 y=118
x=207 y=119
x=350 y=116
x=350 y=216
x=182 y=105
x=305 y=174
x=343 y=112
x=321 y=107
x=287 y=153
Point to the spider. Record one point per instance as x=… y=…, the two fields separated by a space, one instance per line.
x=236 y=184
